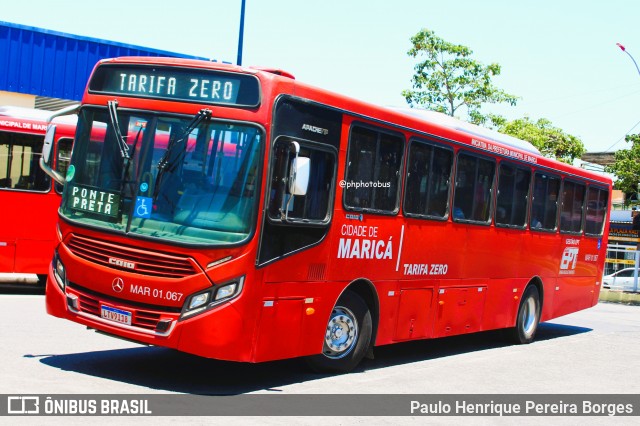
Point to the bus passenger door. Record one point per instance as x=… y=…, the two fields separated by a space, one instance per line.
x=294 y=222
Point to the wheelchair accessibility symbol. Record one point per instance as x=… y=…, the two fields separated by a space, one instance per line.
x=143 y=207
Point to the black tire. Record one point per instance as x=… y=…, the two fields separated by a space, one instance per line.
x=346 y=338
x=528 y=317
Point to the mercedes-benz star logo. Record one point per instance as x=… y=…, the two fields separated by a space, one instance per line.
x=117 y=285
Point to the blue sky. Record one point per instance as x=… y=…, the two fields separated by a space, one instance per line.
x=559 y=56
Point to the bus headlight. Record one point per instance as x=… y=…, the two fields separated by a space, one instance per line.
x=226 y=291
x=198 y=300
x=59 y=271
x=205 y=300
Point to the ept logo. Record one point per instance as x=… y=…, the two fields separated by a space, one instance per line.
x=569 y=258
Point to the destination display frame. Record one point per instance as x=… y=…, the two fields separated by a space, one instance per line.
x=177 y=84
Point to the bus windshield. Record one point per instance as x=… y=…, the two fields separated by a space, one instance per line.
x=186 y=179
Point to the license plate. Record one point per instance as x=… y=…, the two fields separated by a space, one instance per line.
x=115 y=315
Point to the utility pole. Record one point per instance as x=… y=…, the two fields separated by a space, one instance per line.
x=241 y=35
x=633 y=217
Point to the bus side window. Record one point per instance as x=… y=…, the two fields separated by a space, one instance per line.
x=473 y=188
x=361 y=167
x=597 y=203
x=373 y=170
x=513 y=194
x=544 y=206
x=314 y=205
x=428 y=176
x=19 y=157
x=572 y=207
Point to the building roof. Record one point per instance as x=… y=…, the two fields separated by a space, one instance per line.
x=620 y=216
x=42 y=62
x=601 y=158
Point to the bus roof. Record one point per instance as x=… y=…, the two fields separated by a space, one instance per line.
x=35 y=114
x=418 y=116
x=472 y=129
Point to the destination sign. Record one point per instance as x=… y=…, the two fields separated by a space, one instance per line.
x=93 y=201
x=177 y=84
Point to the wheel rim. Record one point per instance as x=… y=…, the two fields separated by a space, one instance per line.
x=342 y=333
x=529 y=317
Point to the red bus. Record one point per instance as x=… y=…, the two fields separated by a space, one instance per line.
x=238 y=214
x=28 y=197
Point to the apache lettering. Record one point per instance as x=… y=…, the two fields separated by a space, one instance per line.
x=314 y=129
x=365 y=249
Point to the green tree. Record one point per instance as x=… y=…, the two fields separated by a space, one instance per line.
x=627 y=167
x=551 y=141
x=447 y=79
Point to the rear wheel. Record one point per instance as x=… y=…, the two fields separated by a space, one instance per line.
x=346 y=337
x=528 y=316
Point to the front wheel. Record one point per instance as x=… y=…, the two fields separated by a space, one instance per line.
x=528 y=316
x=346 y=337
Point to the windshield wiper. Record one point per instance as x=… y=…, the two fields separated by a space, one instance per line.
x=113 y=117
x=122 y=143
x=129 y=159
x=165 y=164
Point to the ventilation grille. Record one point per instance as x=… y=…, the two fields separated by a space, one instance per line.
x=52 y=104
x=131 y=259
x=316 y=272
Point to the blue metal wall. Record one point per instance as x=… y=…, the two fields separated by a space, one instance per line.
x=40 y=62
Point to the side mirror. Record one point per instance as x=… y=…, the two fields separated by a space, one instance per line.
x=299 y=175
x=47 y=149
x=48 y=143
x=49 y=138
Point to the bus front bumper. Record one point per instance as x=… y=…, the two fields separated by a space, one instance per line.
x=218 y=333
